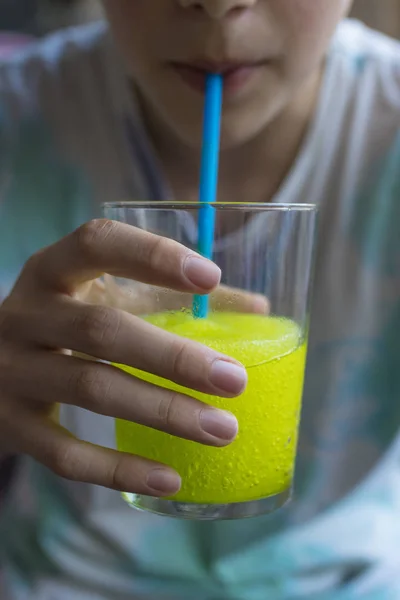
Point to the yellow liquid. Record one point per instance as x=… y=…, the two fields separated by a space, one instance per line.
x=260 y=462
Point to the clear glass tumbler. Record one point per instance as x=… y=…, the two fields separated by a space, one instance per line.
x=258 y=316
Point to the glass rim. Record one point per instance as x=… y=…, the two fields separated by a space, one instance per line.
x=182 y=205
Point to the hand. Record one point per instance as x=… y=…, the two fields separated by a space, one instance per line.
x=45 y=319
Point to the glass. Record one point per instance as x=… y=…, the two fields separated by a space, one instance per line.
x=260 y=317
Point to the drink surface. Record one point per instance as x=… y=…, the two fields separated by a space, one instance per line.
x=260 y=462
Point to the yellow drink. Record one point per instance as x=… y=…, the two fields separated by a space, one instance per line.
x=260 y=462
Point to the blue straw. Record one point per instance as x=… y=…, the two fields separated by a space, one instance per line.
x=209 y=178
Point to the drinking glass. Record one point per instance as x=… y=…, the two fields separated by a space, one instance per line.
x=259 y=316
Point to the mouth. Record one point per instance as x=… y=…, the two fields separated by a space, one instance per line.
x=236 y=75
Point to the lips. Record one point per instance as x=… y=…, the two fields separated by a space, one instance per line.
x=236 y=75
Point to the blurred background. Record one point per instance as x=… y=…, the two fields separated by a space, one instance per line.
x=381 y=14
x=40 y=16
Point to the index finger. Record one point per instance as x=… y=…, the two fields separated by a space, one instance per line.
x=103 y=246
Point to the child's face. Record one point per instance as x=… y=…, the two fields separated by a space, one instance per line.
x=267 y=49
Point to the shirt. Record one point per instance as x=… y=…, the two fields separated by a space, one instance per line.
x=71 y=137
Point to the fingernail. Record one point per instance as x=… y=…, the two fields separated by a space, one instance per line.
x=218 y=423
x=202 y=272
x=228 y=377
x=164 y=481
x=261 y=305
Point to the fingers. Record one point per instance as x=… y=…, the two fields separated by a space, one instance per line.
x=121 y=338
x=121 y=250
x=139 y=299
x=73 y=459
x=101 y=388
x=225 y=298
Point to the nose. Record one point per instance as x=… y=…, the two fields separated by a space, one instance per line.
x=218 y=9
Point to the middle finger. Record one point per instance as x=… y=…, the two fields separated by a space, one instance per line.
x=122 y=338
x=101 y=388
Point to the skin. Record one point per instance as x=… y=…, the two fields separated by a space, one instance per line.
x=55 y=315
x=263 y=125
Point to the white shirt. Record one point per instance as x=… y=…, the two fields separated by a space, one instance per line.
x=70 y=138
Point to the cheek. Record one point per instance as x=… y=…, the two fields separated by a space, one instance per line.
x=133 y=26
x=130 y=19
x=123 y=7
x=308 y=26
x=313 y=13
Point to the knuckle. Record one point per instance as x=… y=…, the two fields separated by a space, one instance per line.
x=99 y=325
x=180 y=357
x=119 y=471
x=168 y=408
x=161 y=249
x=33 y=268
x=34 y=261
x=66 y=462
x=117 y=477
x=93 y=234
x=91 y=388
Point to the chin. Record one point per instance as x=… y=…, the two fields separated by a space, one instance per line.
x=235 y=135
x=235 y=132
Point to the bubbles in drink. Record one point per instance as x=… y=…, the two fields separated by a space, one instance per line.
x=259 y=463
